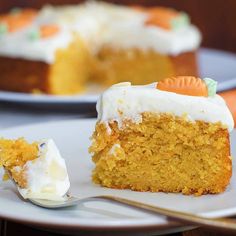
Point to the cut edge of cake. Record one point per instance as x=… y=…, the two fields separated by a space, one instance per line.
x=153 y=138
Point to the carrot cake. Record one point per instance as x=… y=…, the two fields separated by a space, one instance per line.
x=37 y=168
x=63 y=49
x=144 y=45
x=170 y=136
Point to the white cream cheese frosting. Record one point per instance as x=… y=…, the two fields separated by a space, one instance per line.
x=124 y=101
x=126 y=28
x=17 y=45
x=98 y=24
x=47 y=176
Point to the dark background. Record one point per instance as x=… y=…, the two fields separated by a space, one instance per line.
x=215 y=18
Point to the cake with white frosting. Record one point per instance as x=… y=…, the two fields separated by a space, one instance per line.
x=170 y=136
x=38 y=168
x=144 y=45
x=60 y=50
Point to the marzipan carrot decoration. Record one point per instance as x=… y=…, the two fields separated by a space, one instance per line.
x=186 y=85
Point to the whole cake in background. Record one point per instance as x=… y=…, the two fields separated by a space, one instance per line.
x=170 y=136
x=62 y=50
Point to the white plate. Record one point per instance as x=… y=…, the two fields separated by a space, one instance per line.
x=72 y=137
x=213 y=63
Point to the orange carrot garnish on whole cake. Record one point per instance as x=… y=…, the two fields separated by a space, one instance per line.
x=162 y=17
x=166 y=18
x=159 y=16
x=186 y=85
x=44 y=32
x=49 y=30
x=18 y=20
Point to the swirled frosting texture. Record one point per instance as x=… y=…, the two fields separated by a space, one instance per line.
x=98 y=24
x=124 y=101
x=47 y=176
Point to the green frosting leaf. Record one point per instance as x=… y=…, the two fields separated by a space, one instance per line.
x=34 y=35
x=211 y=86
x=180 y=21
x=3 y=29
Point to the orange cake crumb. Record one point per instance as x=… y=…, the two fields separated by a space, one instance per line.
x=14 y=154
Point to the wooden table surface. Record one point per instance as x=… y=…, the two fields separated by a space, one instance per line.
x=8 y=228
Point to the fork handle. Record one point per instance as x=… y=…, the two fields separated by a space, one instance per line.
x=220 y=223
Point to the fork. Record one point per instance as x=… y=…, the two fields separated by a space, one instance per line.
x=192 y=219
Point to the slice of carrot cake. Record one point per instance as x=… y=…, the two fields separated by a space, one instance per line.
x=37 y=168
x=170 y=136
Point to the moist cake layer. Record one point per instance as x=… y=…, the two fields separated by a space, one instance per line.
x=67 y=75
x=162 y=153
x=118 y=65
